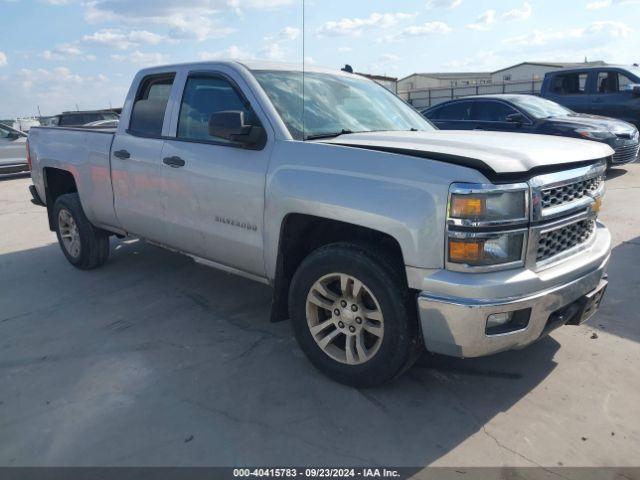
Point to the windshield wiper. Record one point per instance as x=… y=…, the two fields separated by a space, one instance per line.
x=328 y=134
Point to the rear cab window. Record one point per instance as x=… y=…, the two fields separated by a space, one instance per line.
x=147 y=116
x=571 y=83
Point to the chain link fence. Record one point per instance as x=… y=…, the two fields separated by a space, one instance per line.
x=433 y=96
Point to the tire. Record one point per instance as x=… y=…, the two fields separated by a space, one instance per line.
x=85 y=246
x=317 y=301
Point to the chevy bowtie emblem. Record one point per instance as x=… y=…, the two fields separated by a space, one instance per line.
x=596 y=205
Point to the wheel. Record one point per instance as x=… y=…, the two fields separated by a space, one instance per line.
x=85 y=246
x=353 y=315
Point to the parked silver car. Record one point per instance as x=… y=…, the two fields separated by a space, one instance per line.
x=13 y=153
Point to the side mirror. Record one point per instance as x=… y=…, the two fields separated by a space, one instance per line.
x=516 y=118
x=230 y=125
x=13 y=135
x=635 y=90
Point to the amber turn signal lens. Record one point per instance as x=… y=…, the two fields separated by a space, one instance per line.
x=466 y=206
x=465 y=251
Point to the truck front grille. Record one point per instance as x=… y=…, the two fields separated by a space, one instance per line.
x=553 y=197
x=626 y=153
x=564 y=238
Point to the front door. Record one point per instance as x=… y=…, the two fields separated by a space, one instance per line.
x=493 y=115
x=136 y=159
x=614 y=96
x=214 y=189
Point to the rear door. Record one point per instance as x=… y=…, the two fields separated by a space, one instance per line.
x=214 y=195
x=454 y=115
x=136 y=159
x=613 y=96
x=571 y=90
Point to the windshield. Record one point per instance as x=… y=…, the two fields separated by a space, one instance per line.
x=635 y=71
x=336 y=104
x=540 y=108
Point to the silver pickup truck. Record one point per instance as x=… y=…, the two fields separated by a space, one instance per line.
x=380 y=235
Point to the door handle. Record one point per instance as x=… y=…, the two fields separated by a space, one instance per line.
x=122 y=154
x=175 y=162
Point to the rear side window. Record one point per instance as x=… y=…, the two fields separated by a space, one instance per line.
x=147 y=116
x=569 y=83
x=454 y=111
x=204 y=96
x=488 y=111
x=613 y=82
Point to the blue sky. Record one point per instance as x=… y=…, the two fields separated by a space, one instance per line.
x=57 y=54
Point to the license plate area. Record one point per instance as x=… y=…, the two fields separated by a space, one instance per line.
x=591 y=302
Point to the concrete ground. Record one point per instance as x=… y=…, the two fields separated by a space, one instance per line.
x=154 y=360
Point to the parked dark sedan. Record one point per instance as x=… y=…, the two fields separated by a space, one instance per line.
x=531 y=114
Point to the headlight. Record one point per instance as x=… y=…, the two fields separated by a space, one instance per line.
x=478 y=205
x=594 y=134
x=486 y=249
x=486 y=226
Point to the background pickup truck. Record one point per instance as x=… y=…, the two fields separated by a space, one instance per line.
x=609 y=91
x=380 y=235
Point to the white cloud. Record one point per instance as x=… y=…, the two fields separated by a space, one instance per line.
x=3 y=59
x=426 y=29
x=58 y=89
x=233 y=52
x=389 y=57
x=484 y=22
x=487 y=20
x=608 y=3
x=518 y=14
x=141 y=58
x=66 y=51
x=116 y=38
x=345 y=49
x=599 y=31
x=443 y=3
x=355 y=26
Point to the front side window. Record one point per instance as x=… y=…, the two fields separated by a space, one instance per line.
x=569 y=83
x=488 y=111
x=204 y=96
x=613 y=82
x=336 y=103
x=148 y=111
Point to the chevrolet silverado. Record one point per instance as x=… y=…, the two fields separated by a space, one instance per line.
x=381 y=235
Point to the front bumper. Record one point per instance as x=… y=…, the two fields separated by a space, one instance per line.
x=454 y=307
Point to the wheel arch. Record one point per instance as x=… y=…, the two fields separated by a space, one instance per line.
x=301 y=234
x=57 y=182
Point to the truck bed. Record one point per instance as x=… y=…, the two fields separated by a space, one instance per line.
x=83 y=151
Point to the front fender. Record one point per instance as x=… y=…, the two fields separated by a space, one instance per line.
x=404 y=197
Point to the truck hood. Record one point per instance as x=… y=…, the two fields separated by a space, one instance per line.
x=492 y=152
